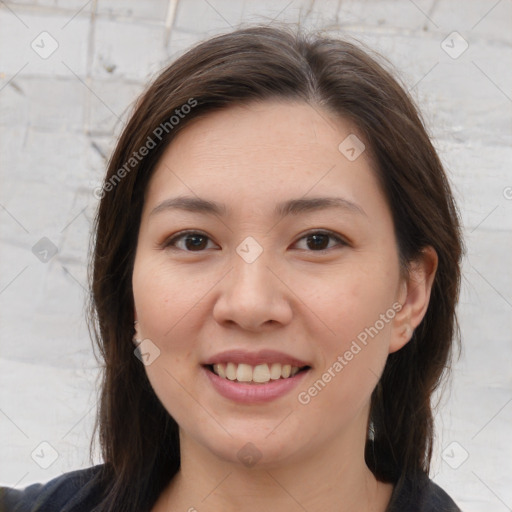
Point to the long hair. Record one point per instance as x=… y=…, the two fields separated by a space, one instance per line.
x=138 y=437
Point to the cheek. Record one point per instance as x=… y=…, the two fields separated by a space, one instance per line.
x=351 y=299
x=356 y=306
x=164 y=298
x=164 y=302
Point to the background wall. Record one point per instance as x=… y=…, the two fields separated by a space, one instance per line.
x=69 y=70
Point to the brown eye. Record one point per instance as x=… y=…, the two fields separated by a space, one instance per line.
x=317 y=241
x=192 y=241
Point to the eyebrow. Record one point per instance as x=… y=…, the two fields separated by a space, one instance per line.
x=290 y=207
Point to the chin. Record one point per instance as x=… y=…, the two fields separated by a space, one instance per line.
x=265 y=447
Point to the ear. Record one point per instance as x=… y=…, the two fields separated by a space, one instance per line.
x=136 y=337
x=414 y=296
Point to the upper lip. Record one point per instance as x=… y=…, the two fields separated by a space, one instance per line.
x=254 y=358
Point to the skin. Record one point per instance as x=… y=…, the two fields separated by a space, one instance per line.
x=193 y=304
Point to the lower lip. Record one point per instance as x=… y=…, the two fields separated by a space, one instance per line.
x=253 y=393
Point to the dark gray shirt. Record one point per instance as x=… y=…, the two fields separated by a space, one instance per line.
x=80 y=491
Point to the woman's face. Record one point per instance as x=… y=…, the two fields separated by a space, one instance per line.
x=270 y=285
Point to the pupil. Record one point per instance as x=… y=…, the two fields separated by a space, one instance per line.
x=316 y=238
x=194 y=245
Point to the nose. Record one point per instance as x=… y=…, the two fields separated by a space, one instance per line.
x=253 y=296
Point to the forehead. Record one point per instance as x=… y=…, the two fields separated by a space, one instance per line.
x=262 y=153
x=280 y=127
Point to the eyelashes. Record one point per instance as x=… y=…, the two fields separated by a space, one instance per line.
x=192 y=235
x=198 y=241
x=318 y=236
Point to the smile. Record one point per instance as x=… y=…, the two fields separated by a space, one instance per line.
x=251 y=392
x=259 y=374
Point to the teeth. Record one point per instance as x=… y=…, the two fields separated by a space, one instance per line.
x=260 y=373
x=244 y=373
x=275 y=371
x=219 y=370
x=231 y=371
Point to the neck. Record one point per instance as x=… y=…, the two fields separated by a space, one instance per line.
x=335 y=478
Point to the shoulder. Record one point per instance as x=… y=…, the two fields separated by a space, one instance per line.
x=75 y=491
x=420 y=494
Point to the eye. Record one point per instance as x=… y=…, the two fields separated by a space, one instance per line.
x=318 y=241
x=194 y=241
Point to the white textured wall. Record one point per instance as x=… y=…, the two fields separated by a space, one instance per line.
x=59 y=116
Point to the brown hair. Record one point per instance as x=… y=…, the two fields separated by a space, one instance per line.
x=139 y=439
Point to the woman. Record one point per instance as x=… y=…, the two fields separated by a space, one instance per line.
x=277 y=236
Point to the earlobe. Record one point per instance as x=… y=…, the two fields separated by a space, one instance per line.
x=136 y=337
x=414 y=297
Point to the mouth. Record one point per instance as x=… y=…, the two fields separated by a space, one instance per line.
x=254 y=377
x=259 y=374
